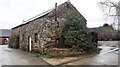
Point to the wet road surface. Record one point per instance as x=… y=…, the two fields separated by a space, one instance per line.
x=107 y=56
x=18 y=57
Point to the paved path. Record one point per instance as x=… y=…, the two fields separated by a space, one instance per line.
x=108 y=56
x=18 y=57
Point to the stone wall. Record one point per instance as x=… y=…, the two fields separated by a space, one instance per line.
x=63 y=52
x=47 y=28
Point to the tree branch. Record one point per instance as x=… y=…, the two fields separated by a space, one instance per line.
x=114 y=5
x=106 y=4
x=114 y=15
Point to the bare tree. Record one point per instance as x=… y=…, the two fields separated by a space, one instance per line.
x=111 y=11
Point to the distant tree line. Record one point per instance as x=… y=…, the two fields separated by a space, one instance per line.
x=106 y=33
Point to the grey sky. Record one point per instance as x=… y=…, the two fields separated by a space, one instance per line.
x=13 y=12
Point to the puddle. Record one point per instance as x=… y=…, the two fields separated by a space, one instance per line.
x=106 y=49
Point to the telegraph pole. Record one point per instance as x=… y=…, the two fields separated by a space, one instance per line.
x=68 y=0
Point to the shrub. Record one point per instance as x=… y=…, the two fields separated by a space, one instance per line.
x=76 y=34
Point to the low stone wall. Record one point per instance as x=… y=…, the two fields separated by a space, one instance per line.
x=62 y=52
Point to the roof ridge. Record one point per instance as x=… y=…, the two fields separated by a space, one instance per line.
x=40 y=15
x=43 y=13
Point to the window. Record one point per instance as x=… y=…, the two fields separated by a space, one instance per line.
x=36 y=37
x=67 y=5
x=23 y=36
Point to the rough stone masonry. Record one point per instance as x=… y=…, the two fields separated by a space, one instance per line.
x=42 y=31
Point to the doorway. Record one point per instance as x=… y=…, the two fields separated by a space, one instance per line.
x=29 y=43
x=18 y=42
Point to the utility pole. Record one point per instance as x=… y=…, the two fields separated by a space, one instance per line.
x=56 y=26
x=68 y=0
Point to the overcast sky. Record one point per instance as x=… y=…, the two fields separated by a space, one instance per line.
x=13 y=12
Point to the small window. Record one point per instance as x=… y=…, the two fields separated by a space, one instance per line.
x=36 y=37
x=57 y=24
x=23 y=36
x=67 y=5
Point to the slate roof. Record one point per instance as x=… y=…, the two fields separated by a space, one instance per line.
x=39 y=15
x=103 y=29
x=5 y=32
x=35 y=17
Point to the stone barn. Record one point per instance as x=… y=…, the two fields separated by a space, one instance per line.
x=105 y=33
x=43 y=30
x=4 y=36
